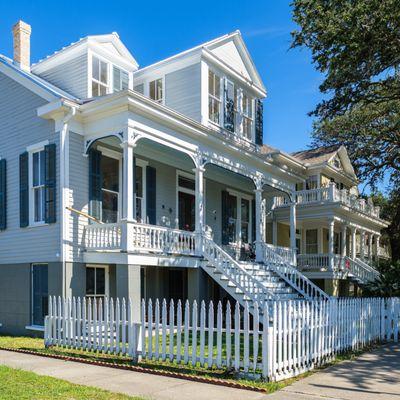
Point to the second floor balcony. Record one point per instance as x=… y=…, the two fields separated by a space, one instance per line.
x=329 y=195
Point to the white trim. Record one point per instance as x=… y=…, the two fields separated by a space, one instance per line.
x=38 y=328
x=143 y=164
x=106 y=277
x=37 y=146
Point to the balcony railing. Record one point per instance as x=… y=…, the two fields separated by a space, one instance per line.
x=139 y=238
x=331 y=194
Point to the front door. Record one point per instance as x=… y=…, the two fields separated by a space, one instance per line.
x=186 y=204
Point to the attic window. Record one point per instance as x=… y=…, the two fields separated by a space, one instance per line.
x=120 y=79
x=336 y=163
x=156 y=90
x=99 y=77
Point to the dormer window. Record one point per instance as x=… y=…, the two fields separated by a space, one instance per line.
x=247 y=108
x=156 y=90
x=214 y=97
x=100 y=79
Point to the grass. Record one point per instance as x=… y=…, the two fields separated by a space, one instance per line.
x=23 y=385
x=37 y=345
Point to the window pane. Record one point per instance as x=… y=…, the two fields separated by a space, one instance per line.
x=102 y=90
x=232 y=218
x=95 y=89
x=95 y=68
x=186 y=183
x=42 y=168
x=139 y=209
x=312 y=241
x=103 y=72
x=35 y=162
x=90 y=288
x=38 y=204
x=39 y=294
x=211 y=82
x=159 y=89
x=245 y=210
x=110 y=173
x=213 y=109
x=245 y=232
x=139 y=181
x=110 y=207
x=100 y=281
x=152 y=90
x=217 y=92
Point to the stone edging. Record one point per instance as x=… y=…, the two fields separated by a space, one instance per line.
x=135 y=368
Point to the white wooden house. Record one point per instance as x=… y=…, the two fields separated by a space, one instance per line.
x=123 y=181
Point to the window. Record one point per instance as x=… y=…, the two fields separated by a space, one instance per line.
x=120 y=79
x=40 y=294
x=214 y=97
x=247 y=106
x=110 y=189
x=38 y=186
x=186 y=201
x=139 y=194
x=312 y=241
x=232 y=218
x=96 y=281
x=99 y=77
x=312 y=182
x=156 y=90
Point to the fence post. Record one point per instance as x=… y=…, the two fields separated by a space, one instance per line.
x=266 y=351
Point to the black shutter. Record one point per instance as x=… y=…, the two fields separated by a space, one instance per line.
x=224 y=217
x=24 y=190
x=253 y=220
x=151 y=194
x=50 y=183
x=259 y=122
x=134 y=186
x=95 y=182
x=3 y=195
x=229 y=114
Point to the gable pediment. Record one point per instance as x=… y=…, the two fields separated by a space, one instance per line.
x=233 y=52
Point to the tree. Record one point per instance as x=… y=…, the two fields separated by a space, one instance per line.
x=355 y=44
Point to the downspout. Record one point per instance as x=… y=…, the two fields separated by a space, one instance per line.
x=64 y=192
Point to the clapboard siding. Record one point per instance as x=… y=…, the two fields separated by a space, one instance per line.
x=78 y=194
x=71 y=77
x=19 y=128
x=183 y=91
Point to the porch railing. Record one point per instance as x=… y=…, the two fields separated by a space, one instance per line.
x=330 y=194
x=286 y=253
x=139 y=237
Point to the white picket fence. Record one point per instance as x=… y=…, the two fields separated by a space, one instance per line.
x=289 y=338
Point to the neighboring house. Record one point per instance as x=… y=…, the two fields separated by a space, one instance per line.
x=154 y=182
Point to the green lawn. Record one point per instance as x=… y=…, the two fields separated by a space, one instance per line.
x=16 y=384
x=37 y=345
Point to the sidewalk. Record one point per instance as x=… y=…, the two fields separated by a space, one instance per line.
x=373 y=376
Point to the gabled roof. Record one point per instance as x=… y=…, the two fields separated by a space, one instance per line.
x=218 y=48
x=322 y=156
x=117 y=49
x=32 y=81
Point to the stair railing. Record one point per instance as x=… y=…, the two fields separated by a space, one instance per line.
x=292 y=276
x=229 y=267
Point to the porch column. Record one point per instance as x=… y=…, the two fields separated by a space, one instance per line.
x=344 y=241
x=128 y=193
x=199 y=212
x=331 y=243
x=293 y=229
x=353 y=243
x=362 y=245
x=259 y=224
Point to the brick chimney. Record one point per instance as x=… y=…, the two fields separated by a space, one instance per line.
x=22 y=45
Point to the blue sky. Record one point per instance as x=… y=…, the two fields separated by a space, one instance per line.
x=154 y=30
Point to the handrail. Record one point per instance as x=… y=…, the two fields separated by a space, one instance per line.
x=292 y=276
x=226 y=265
x=362 y=270
x=319 y=260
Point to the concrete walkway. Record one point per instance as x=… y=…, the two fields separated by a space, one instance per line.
x=373 y=376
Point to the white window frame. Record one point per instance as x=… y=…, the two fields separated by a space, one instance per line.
x=118 y=156
x=90 y=73
x=239 y=196
x=120 y=81
x=162 y=78
x=35 y=148
x=220 y=100
x=246 y=116
x=106 y=283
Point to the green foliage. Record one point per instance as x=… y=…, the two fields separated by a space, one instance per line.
x=356 y=45
x=388 y=285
